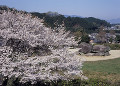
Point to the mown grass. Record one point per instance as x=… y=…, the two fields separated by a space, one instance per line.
x=103 y=70
x=109 y=66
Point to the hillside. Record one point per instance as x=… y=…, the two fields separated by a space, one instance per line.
x=73 y=24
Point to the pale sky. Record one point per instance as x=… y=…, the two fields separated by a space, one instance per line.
x=103 y=9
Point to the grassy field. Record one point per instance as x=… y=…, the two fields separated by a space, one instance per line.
x=103 y=70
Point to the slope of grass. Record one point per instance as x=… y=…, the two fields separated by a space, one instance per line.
x=109 y=66
x=103 y=70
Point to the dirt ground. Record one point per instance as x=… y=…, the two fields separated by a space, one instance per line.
x=113 y=54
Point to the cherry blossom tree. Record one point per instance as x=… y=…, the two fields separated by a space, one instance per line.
x=61 y=64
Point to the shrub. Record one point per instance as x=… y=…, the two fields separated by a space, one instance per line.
x=85 y=38
x=113 y=46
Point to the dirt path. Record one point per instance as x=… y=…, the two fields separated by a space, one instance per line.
x=113 y=54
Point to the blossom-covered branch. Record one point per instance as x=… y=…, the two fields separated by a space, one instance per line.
x=60 y=64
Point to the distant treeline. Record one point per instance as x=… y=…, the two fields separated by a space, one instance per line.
x=73 y=24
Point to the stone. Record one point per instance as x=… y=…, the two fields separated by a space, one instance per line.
x=100 y=48
x=85 y=48
x=96 y=50
x=99 y=54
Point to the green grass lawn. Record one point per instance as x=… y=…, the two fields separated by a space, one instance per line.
x=105 y=70
x=109 y=66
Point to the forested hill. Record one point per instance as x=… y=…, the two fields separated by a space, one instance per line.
x=73 y=24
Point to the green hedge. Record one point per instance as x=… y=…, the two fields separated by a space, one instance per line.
x=113 y=46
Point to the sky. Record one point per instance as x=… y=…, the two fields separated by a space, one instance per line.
x=103 y=9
